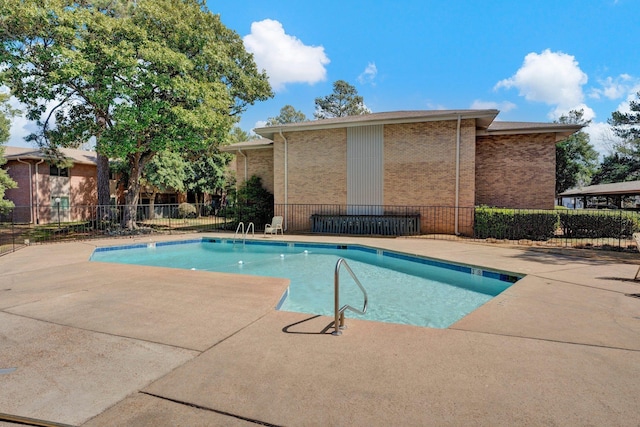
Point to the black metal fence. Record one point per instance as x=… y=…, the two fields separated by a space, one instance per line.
x=598 y=229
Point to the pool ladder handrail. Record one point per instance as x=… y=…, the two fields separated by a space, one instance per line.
x=244 y=233
x=338 y=322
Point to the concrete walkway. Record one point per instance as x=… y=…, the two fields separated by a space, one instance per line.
x=84 y=343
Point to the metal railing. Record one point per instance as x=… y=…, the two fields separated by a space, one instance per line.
x=338 y=322
x=592 y=229
x=244 y=232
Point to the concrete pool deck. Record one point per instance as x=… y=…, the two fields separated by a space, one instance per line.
x=95 y=344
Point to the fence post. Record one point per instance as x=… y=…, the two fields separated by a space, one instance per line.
x=13 y=234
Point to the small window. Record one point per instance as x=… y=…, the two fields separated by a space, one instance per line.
x=60 y=201
x=56 y=171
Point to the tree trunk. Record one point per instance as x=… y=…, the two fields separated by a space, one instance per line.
x=104 y=195
x=133 y=193
x=152 y=202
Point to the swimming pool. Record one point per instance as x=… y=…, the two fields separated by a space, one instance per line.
x=402 y=288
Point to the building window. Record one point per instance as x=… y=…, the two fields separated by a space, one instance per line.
x=59 y=208
x=60 y=201
x=57 y=171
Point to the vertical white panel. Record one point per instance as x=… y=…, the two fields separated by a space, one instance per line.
x=365 y=148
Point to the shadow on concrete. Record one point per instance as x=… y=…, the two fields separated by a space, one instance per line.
x=621 y=279
x=308 y=323
x=556 y=256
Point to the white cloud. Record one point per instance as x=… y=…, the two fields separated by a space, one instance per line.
x=503 y=106
x=601 y=137
x=259 y=124
x=613 y=87
x=554 y=78
x=588 y=113
x=369 y=74
x=284 y=57
x=20 y=126
x=432 y=106
x=632 y=95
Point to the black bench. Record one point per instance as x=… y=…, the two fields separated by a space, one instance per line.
x=383 y=225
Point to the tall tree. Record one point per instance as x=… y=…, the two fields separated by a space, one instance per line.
x=288 y=114
x=624 y=163
x=207 y=173
x=627 y=126
x=239 y=135
x=5 y=126
x=141 y=77
x=617 y=167
x=63 y=61
x=167 y=171
x=344 y=101
x=576 y=159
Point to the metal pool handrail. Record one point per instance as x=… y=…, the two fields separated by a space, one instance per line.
x=244 y=233
x=339 y=312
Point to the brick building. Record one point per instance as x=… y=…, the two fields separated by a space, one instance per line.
x=47 y=191
x=43 y=187
x=456 y=159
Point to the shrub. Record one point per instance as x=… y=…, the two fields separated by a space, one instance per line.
x=599 y=224
x=206 y=210
x=186 y=210
x=253 y=204
x=514 y=224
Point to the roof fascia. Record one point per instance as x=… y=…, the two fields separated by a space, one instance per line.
x=233 y=148
x=486 y=117
x=560 y=133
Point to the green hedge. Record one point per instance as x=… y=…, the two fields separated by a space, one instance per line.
x=514 y=224
x=599 y=224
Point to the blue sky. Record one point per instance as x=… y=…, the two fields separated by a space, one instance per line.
x=532 y=60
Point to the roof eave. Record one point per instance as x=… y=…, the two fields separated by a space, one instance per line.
x=560 y=133
x=236 y=147
x=483 y=119
x=18 y=157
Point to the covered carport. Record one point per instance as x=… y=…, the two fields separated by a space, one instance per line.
x=615 y=196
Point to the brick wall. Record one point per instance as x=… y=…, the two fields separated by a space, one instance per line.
x=420 y=169
x=317 y=167
x=19 y=172
x=83 y=181
x=420 y=163
x=516 y=171
x=80 y=187
x=259 y=163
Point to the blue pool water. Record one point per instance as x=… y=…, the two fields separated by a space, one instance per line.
x=402 y=288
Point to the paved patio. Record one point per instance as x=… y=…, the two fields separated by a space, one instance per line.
x=101 y=344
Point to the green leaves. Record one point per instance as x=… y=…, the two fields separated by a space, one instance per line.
x=576 y=159
x=5 y=180
x=627 y=125
x=166 y=171
x=288 y=114
x=624 y=163
x=344 y=101
x=141 y=77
